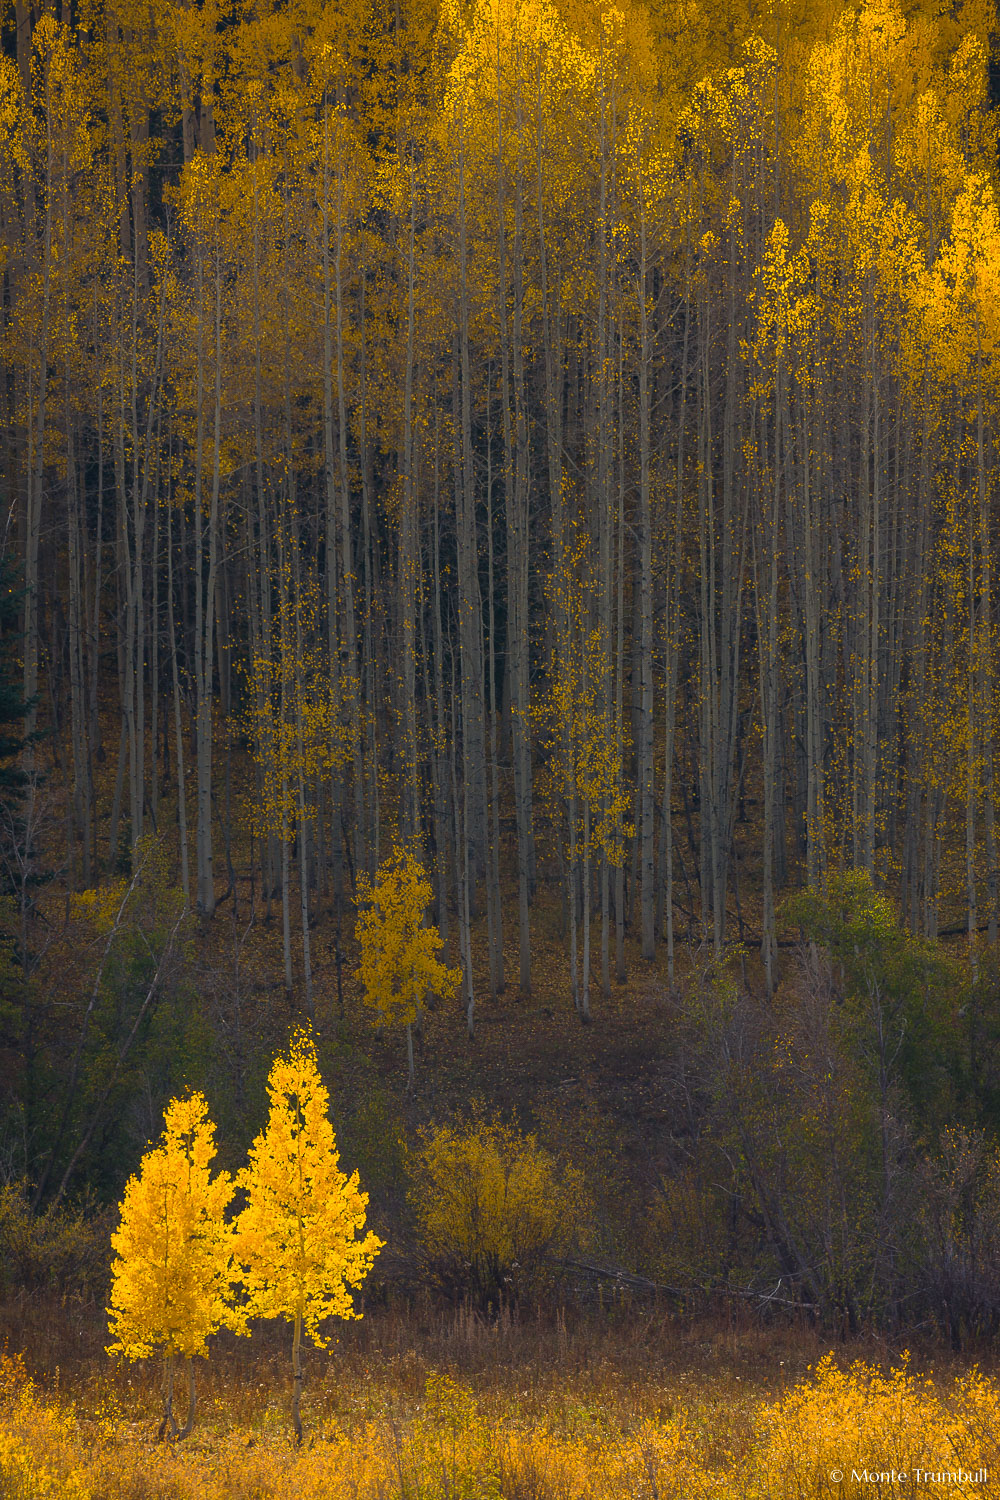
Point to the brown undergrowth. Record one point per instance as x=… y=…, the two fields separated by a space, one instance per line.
x=417 y=1403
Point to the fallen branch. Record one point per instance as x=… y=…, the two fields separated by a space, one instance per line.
x=634 y=1282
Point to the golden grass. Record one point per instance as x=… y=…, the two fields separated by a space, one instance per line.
x=432 y=1407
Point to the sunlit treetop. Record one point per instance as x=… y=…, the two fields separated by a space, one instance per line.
x=958 y=299
x=885 y=86
x=507 y=49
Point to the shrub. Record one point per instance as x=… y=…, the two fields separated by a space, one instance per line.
x=842 y=1432
x=63 y=1250
x=493 y=1209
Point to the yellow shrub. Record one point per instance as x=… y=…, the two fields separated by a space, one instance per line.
x=37 y=1457
x=493 y=1208
x=832 y=1432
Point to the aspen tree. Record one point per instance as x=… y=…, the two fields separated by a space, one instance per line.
x=587 y=773
x=300 y=1240
x=671 y=642
x=299 y=733
x=470 y=609
x=516 y=479
x=408 y=529
x=51 y=59
x=172 y=1275
x=178 y=728
x=552 y=319
x=399 y=948
x=494 y=914
x=777 y=278
x=642 y=170
x=439 y=736
x=203 y=213
x=341 y=169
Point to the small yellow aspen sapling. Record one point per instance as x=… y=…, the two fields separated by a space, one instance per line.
x=299 y=1238
x=172 y=1272
x=399 y=949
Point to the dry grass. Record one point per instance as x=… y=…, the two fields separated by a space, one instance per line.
x=422 y=1405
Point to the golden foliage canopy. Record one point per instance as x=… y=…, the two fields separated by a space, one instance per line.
x=399 y=949
x=172 y=1272
x=300 y=1239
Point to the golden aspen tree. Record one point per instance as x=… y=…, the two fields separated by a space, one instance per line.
x=777 y=281
x=171 y=1279
x=205 y=201
x=298 y=733
x=599 y=781
x=585 y=771
x=955 y=305
x=344 y=197
x=647 y=188
x=300 y=1239
x=399 y=948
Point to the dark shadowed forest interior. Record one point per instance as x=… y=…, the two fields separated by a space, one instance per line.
x=498 y=503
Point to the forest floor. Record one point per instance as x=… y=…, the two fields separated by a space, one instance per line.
x=413 y=1403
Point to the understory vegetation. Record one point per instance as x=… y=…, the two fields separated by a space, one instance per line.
x=829 y=1149
x=460 y=1407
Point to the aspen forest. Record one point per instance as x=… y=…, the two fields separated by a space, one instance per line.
x=500 y=632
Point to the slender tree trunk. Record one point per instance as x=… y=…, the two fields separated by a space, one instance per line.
x=204 y=581
x=619 y=704
x=332 y=569
x=462 y=867
x=671 y=646
x=297 y=1377
x=585 y=962
x=178 y=719
x=971 y=761
x=573 y=875
x=985 y=672
x=351 y=687
x=188 y=1427
x=82 y=785
x=493 y=908
x=644 y=550
x=441 y=819
x=307 y=975
x=551 y=314
x=286 y=913
x=168 y=1424
x=34 y=469
x=407 y=550
x=518 y=623
x=470 y=603
x=767 y=634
